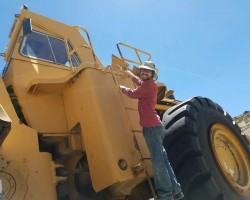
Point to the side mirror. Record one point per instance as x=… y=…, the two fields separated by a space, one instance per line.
x=27 y=27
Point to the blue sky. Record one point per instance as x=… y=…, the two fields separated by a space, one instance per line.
x=201 y=47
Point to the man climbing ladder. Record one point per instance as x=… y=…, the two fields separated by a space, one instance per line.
x=167 y=187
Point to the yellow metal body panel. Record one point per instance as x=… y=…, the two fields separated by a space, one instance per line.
x=25 y=172
x=105 y=132
x=54 y=99
x=36 y=107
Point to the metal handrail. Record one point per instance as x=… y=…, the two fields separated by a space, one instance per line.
x=70 y=52
x=136 y=52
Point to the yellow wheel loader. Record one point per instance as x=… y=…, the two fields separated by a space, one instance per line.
x=67 y=133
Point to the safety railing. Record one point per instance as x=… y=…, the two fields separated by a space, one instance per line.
x=71 y=52
x=137 y=51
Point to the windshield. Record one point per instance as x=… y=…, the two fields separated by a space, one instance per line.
x=47 y=48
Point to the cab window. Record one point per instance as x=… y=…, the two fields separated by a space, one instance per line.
x=40 y=46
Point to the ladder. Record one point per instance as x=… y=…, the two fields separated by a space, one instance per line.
x=136 y=168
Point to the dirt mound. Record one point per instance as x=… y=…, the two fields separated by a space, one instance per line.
x=243 y=121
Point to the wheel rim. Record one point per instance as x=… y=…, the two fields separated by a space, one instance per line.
x=231 y=158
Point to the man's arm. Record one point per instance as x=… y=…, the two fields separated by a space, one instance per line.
x=135 y=79
x=137 y=93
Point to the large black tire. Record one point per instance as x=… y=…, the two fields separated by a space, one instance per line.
x=210 y=157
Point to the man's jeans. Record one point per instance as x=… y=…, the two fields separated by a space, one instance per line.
x=164 y=177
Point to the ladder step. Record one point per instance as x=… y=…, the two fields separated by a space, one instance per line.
x=145 y=158
x=137 y=131
x=129 y=108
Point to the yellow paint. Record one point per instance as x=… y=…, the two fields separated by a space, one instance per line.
x=56 y=99
x=231 y=158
